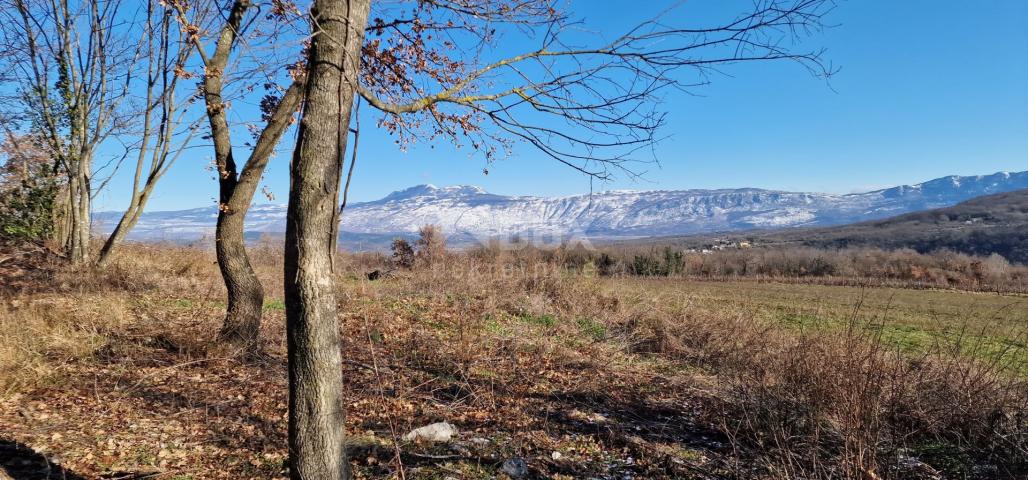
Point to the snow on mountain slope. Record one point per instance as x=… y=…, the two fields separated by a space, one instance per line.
x=466 y=212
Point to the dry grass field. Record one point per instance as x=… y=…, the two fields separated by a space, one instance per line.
x=116 y=374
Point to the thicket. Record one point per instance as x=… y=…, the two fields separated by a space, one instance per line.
x=428 y=249
x=26 y=212
x=848 y=266
x=28 y=194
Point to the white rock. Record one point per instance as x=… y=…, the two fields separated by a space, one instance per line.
x=436 y=432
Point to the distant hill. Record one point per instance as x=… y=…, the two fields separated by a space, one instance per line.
x=980 y=226
x=468 y=214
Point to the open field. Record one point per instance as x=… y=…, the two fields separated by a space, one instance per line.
x=988 y=326
x=117 y=374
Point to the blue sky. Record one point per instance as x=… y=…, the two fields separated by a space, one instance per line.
x=926 y=88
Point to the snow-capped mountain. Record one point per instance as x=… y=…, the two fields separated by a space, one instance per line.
x=468 y=212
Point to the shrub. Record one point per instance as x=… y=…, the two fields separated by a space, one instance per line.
x=28 y=192
x=852 y=266
x=403 y=253
x=431 y=244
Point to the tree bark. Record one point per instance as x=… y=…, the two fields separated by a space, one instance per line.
x=80 y=222
x=316 y=411
x=121 y=230
x=245 y=292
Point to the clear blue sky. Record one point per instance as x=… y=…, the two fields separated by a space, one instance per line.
x=927 y=88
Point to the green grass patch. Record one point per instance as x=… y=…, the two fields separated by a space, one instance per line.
x=492 y=325
x=274 y=304
x=545 y=320
x=988 y=327
x=593 y=329
x=800 y=321
x=182 y=303
x=907 y=338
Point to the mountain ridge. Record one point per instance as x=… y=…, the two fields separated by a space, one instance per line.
x=985 y=225
x=469 y=213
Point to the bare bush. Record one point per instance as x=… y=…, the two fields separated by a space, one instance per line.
x=431 y=244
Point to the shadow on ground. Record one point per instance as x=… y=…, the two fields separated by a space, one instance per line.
x=20 y=462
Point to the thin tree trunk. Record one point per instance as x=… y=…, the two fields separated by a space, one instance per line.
x=78 y=247
x=315 y=362
x=245 y=292
x=128 y=220
x=336 y=221
x=126 y=224
x=161 y=85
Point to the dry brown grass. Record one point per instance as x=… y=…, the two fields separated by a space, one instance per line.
x=40 y=336
x=831 y=404
x=511 y=347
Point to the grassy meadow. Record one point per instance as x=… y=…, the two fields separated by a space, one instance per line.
x=117 y=374
x=987 y=326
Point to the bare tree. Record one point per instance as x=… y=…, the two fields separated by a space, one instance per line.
x=590 y=107
x=431 y=244
x=71 y=63
x=167 y=49
x=238 y=184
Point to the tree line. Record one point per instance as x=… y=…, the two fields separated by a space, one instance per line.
x=940 y=268
x=90 y=87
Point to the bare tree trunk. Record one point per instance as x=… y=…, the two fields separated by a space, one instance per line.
x=236 y=189
x=245 y=292
x=124 y=226
x=336 y=221
x=78 y=242
x=315 y=362
x=165 y=55
x=129 y=218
